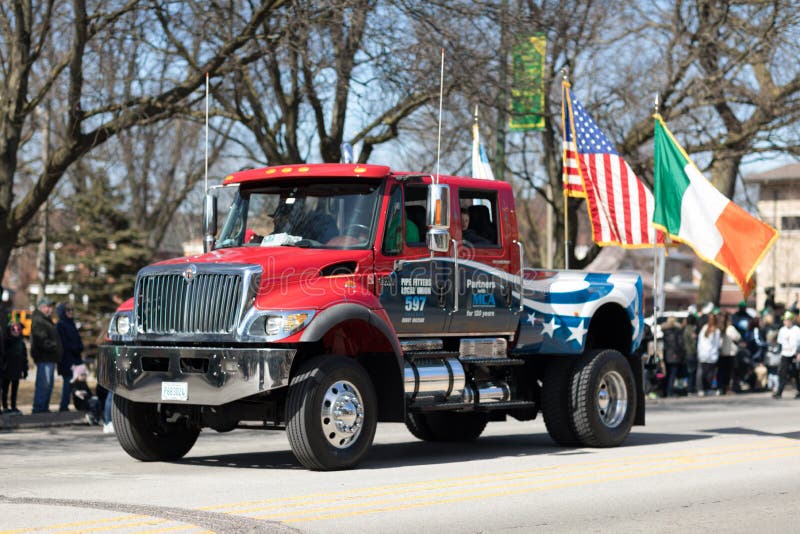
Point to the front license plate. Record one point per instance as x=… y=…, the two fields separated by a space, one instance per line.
x=174 y=391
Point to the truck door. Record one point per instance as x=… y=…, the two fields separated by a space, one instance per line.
x=411 y=284
x=485 y=284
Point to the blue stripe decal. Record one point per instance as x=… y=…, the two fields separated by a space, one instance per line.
x=581 y=296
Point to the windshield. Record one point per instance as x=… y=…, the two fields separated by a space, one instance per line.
x=316 y=214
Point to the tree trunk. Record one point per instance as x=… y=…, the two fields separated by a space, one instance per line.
x=7 y=240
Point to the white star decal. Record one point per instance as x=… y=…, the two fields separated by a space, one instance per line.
x=577 y=333
x=551 y=327
x=531 y=319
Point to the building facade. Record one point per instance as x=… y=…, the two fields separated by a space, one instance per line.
x=778 y=193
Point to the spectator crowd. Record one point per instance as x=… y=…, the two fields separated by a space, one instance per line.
x=720 y=353
x=55 y=347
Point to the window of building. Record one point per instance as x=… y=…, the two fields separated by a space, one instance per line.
x=790 y=223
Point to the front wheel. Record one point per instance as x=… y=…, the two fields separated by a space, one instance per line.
x=146 y=436
x=603 y=390
x=331 y=412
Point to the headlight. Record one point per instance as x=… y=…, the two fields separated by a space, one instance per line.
x=123 y=324
x=120 y=326
x=279 y=325
x=274 y=325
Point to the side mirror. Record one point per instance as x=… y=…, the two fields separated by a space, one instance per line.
x=438 y=240
x=438 y=218
x=438 y=212
x=209 y=222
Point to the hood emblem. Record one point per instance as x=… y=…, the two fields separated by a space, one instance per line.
x=189 y=273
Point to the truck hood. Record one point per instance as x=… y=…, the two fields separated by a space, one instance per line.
x=318 y=271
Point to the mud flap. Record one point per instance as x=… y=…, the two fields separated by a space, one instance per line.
x=637 y=366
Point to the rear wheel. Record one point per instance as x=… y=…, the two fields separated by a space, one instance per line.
x=417 y=424
x=145 y=435
x=331 y=413
x=556 y=401
x=603 y=391
x=447 y=426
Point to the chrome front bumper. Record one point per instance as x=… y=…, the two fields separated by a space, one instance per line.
x=213 y=376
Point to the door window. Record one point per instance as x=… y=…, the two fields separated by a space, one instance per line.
x=479 y=218
x=393 y=236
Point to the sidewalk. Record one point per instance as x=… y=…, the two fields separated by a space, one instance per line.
x=40 y=420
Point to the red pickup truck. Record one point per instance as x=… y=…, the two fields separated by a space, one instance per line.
x=335 y=296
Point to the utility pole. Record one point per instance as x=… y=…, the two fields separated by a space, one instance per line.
x=500 y=138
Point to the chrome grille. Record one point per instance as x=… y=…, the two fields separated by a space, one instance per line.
x=171 y=303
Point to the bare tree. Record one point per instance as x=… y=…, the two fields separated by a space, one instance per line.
x=727 y=86
x=348 y=70
x=722 y=71
x=37 y=68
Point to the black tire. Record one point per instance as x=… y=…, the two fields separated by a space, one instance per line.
x=417 y=424
x=321 y=442
x=603 y=390
x=447 y=426
x=144 y=436
x=556 y=405
x=226 y=427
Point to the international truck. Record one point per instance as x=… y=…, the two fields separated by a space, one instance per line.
x=337 y=296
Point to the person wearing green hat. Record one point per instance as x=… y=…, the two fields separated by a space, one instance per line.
x=789 y=340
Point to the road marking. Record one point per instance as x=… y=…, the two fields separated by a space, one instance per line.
x=498 y=492
x=74 y=524
x=393 y=489
x=151 y=522
x=427 y=493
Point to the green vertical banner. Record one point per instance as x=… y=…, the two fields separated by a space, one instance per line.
x=527 y=84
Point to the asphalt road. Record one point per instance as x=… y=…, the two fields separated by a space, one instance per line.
x=727 y=464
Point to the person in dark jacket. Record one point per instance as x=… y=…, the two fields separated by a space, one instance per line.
x=674 y=353
x=72 y=346
x=4 y=316
x=46 y=353
x=690 y=347
x=13 y=368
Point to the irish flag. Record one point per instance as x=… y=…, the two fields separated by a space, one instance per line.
x=694 y=212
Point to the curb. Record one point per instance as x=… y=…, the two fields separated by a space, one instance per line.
x=40 y=420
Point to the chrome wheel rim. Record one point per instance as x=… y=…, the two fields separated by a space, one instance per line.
x=612 y=399
x=342 y=414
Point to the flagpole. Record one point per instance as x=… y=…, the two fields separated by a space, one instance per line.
x=566 y=230
x=549 y=223
x=655 y=270
x=565 y=80
x=476 y=173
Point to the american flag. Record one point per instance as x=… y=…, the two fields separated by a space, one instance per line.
x=620 y=206
x=573 y=185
